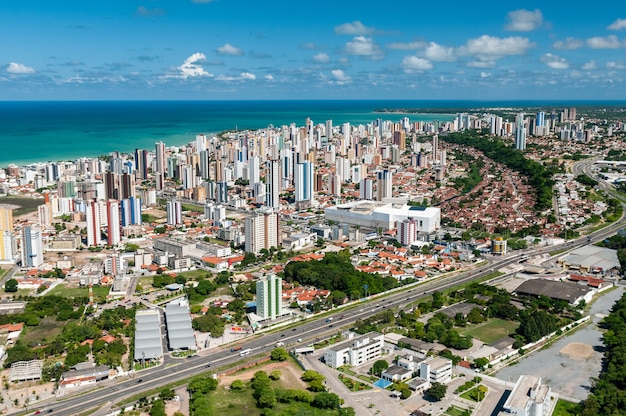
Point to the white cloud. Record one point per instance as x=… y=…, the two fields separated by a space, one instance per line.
x=589 y=66
x=407 y=46
x=489 y=48
x=568 y=44
x=15 y=68
x=191 y=67
x=484 y=74
x=554 y=62
x=321 y=58
x=269 y=77
x=244 y=76
x=524 y=20
x=354 y=28
x=481 y=64
x=229 y=49
x=363 y=46
x=414 y=63
x=438 y=53
x=340 y=77
x=598 y=42
x=615 y=65
x=619 y=24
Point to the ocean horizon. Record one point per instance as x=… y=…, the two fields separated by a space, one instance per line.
x=41 y=131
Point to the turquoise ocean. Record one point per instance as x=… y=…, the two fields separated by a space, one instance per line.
x=40 y=131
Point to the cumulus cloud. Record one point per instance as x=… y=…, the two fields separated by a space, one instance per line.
x=269 y=77
x=191 y=68
x=354 y=28
x=619 y=24
x=321 y=58
x=340 y=77
x=554 y=62
x=568 y=44
x=15 y=68
x=598 y=42
x=407 y=46
x=615 y=65
x=415 y=63
x=482 y=64
x=524 y=20
x=364 y=46
x=484 y=74
x=589 y=66
x=491 y=48
x=229 y=49
x=438 y=53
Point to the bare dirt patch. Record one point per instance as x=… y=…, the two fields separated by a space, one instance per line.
x=290 y=374
x=577 y=351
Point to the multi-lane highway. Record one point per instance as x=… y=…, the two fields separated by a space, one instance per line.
x=305 y=332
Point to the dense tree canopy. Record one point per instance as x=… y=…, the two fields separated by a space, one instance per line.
x=335 y=272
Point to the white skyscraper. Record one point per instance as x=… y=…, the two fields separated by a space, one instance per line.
x=272 y=180
x=113 y=223
x=304 y=183
x=32 y=247
x=520 y=132
x=94 y=223
x=261 y=231
x=269 y=294
x=174 y=210
x=8 y=246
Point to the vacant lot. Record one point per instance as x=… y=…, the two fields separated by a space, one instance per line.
x=46 y=331
x=72 y=292
x=491 y=331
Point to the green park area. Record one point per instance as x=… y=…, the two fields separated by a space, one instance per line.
x=491 y=331
x=99 y=292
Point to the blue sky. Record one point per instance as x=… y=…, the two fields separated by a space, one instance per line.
x=341 y=49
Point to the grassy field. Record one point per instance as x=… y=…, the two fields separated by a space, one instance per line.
x=564 y=408
x=26 y=205
x=190 y=207
x=47 y=330
x=62 y=290
x=491 y=331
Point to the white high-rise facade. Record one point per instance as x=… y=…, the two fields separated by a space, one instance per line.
x=261 y=231
x=269 y=294
x=384 y=184
x=32 y=247
x=304 y=182
x=272 y=180
x=174 y=210
x=520 y=132
x=94 y=223
x=8 y=246
x=113 y=223
x=407 y=232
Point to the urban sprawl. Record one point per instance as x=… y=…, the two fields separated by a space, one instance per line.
x=391 y=268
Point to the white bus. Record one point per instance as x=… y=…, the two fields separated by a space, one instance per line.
x=245 y=352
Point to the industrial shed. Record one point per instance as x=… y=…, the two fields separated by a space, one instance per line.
x=148 y=345
x=179 y=331
x=570 y=292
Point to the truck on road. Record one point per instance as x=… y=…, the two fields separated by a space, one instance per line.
x=235 y=348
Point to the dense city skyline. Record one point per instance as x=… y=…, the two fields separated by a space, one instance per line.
x=204 y=49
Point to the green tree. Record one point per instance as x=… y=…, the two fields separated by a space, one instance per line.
x=238 y=385
x=326 y=401
x=279 y=354
x=275 y=375
x=158 y=408
x=437 y=391
x=166 y=394
x=10 y=285
x=378 y=367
